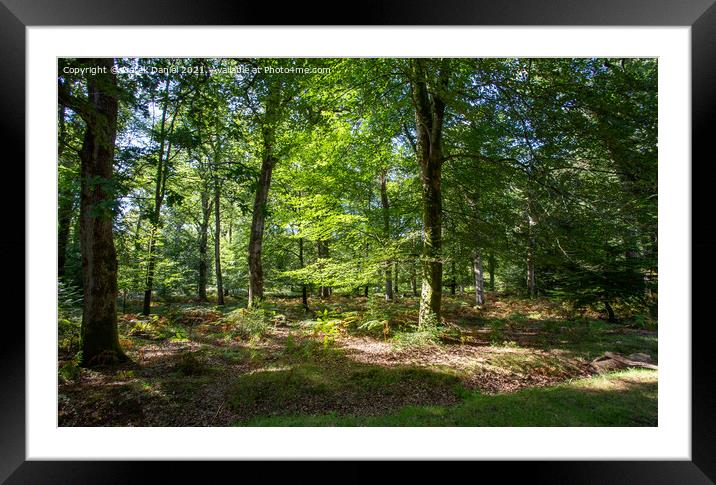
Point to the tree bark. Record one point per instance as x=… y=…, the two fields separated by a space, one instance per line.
x=217 y=241
x=304 y=292
x=531 y=285
x=429 y=114
x=479 y=279
x=610 y=311
x=99 y=335
x=453 y=279
x=386 y=232
x=256 y=276
x=206 y=205
x=491 y=269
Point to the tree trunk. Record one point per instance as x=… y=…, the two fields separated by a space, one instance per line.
x=386 y=233
x=479 y=279
x=100 y=340
x=531 y=286
x=453 y=279
x=491 y=269
x=206 y=205
x=137 y=277
x=217 y=241
x=429 y=114
x=149 y=281
x=395 y=280
x=322 y=247
x=304 y=293
x=610 y=311
x=158 y=200
x=256 y=276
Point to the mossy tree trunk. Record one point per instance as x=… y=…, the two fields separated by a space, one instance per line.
x=429 y=115
x=99 y=334
x=258 y=221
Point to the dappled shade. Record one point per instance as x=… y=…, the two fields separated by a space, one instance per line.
x=357 y=241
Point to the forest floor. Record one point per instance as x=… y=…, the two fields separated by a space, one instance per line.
x=358 y=362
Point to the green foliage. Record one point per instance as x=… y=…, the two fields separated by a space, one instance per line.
x=376 y=318
x=69 y=317
x=152 y=327
x=69 y=297
x=374 y=327
x=326 y=328
x=306 y=349
x=249 y=322
x=497 y=332
x=68 y=330
x=551 y=161
x=70 y=370
x=644 y=321
x=429 y=333
x=552 y=156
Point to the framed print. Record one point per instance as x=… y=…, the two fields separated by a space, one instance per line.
x=428 y=233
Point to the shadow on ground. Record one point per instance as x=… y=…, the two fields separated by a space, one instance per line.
x=500 y=365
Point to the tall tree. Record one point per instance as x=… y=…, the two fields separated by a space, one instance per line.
x=428 y=88
x=99 y=335
x=163 y=154
x=386 y=231
x=217 y=241
x=479 y=279
x=203 y=229
x=268 y=123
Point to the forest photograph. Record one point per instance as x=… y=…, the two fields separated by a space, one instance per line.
x=357 y=242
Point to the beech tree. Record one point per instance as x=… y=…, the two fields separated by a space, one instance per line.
x=267 y=121
x=429 y=83
x=99 y=336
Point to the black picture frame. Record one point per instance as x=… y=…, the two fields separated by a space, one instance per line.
x=700 y=15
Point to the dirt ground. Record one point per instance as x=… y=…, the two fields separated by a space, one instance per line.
x=211 y=377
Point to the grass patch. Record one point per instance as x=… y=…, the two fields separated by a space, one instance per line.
x=627 y=398
x=325 y=381
x=530 y=364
